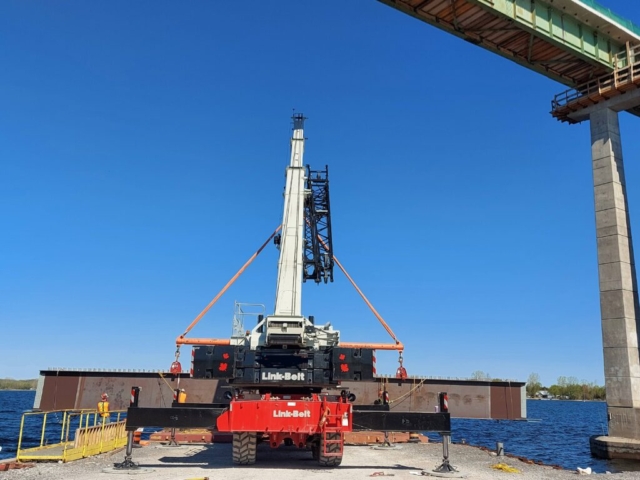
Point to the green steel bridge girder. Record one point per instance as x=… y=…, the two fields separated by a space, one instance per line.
x=555 y=26
x=587 y=40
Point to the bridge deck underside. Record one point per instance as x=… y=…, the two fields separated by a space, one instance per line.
x=502 y=35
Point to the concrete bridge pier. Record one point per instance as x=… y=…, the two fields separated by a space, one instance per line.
x=618 y=290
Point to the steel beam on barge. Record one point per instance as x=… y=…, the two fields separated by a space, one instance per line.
x=77 y=389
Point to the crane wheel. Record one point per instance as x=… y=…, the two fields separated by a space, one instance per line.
x=244 y=448
x=333 y=457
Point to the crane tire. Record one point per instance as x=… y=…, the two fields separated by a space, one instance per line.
x=330 y=460
x=244 y=448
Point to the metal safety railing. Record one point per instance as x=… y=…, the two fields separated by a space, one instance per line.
x=614 y=17
x=625 y=76
x=66 y=435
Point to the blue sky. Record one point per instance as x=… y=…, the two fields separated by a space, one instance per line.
x=142 y=152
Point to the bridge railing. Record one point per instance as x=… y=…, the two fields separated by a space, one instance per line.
x=625 y=76
x=628 y=24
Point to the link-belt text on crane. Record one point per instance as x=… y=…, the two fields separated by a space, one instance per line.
x=287 y=376
x=292 y=414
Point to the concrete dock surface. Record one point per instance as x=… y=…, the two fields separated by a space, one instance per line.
x=213 y=461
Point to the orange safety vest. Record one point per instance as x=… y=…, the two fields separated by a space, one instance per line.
x=103 y=409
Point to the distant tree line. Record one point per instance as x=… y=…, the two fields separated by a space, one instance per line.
x=567 y=388
x=11 y=384
x=484 y=376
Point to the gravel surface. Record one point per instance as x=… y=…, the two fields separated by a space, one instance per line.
x=288 y=463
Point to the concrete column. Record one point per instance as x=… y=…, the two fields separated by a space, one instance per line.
x=618 y=285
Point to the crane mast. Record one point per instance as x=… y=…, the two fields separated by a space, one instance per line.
x=290 y=266
x=287 y=327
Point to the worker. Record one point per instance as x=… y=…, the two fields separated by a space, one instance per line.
x=103 y=409
x=182 y=396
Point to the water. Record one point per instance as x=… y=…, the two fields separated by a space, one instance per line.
x=557 y=432
x=12 y=404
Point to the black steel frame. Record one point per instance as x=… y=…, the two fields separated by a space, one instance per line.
x=318 y=255
x=365 y=418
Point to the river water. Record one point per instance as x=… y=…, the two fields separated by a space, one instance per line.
x=12 y=404
x=556 y=433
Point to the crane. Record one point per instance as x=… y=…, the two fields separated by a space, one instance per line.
x=285 y=374
x=286 y=358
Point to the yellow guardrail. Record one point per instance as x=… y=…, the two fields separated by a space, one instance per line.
x=70 y=434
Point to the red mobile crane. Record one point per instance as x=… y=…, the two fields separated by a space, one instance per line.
x=285 y=373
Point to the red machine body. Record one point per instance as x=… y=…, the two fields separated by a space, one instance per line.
x=317 y=422
x=274 y=414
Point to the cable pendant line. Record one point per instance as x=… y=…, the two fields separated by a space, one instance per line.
x=226 y=287
x=399 y=345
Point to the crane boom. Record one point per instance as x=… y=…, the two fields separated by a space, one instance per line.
x=290 y=266
x=287 y=327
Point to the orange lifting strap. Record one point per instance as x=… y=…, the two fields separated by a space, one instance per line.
x=376 y=346
x=181 y=340
x=213 y=341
